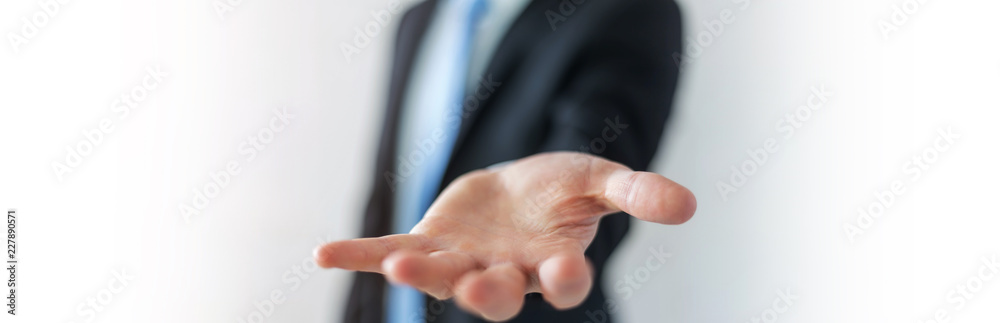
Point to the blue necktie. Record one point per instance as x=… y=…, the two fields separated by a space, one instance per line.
x=428 y=138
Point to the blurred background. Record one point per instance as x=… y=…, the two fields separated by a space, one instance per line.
x=907 y=97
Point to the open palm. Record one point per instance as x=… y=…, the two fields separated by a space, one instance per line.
x=494 y=235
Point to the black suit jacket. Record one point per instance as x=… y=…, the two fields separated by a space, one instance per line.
x=595 y=76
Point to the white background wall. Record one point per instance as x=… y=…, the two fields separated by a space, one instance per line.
x=783 y=230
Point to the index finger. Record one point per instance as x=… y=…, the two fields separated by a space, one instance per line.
x=366 y=254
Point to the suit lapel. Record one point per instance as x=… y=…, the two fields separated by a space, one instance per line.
x=519 y=38
x=411 y=34
x=365 y=304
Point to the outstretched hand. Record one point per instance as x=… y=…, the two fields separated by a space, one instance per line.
x=494 y=235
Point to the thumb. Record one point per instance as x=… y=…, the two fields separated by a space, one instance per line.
x=649 y=196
